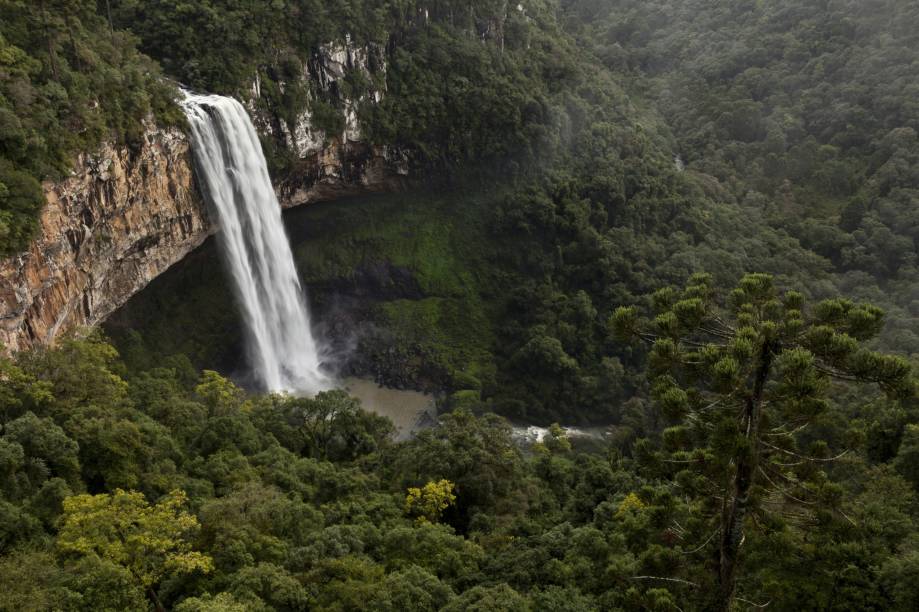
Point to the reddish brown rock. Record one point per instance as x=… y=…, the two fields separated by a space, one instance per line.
x=118 y=221
x=123 y=217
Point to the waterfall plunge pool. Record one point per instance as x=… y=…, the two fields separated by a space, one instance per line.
x=410 y=411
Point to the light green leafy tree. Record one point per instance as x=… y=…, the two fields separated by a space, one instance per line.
x=150 y=541
x=427 y=503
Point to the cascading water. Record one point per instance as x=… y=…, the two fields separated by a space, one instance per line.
x=234 y=178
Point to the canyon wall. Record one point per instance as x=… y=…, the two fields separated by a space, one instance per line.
x=124 y=216
x=330 y=166
x=120 y=219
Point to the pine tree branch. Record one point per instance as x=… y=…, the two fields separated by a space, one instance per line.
x=783 y=491
x=836 y=373
x=680 y=580
x=786 y=433
x=703 y=544
x=805 y=457
x=755 y=605
x=724 y=324
x=718 y=333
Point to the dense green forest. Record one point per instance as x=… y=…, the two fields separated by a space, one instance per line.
x=693 y=223
x=804 y=114
x=128 y=489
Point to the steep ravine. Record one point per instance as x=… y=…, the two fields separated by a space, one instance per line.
x=398 y=287
x=124 y=216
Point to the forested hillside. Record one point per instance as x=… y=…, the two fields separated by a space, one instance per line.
x=690 y=223
x=464 y=82
x=168 y=489
x=804 y=112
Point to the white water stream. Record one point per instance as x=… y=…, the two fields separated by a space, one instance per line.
x=234 y=177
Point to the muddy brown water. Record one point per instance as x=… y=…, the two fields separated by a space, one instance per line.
x=410 y=411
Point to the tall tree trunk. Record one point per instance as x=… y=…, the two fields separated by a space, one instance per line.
x=732 y=520
x=73 y=44
x=502 y=19
x=157 y=604
x=111 y=26
x=52 y=58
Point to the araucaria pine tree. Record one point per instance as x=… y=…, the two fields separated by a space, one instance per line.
x=741 y=379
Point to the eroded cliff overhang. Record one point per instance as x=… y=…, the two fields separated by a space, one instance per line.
x=125 y=216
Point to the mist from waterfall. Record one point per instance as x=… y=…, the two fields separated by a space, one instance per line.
x=234 y=177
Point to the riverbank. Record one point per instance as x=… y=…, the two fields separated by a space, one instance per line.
x=413 y=411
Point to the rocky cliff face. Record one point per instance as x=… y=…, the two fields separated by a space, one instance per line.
x=332 y=165
x=120 y=219
x=124 y=217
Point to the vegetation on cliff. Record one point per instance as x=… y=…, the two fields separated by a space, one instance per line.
x=67 y=82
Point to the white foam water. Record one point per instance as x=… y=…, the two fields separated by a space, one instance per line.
x=233 y=174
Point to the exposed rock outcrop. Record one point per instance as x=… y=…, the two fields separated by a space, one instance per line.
x=333 y=165
x=342 y=170
x=117 y=222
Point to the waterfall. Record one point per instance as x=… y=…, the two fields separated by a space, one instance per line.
x=234 y=178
